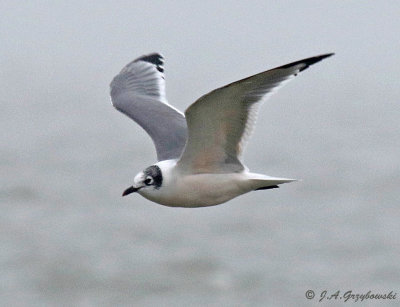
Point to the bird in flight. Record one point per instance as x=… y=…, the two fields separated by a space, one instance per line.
x=199 y=152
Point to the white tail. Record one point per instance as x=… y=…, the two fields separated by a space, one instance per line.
x=264 y=182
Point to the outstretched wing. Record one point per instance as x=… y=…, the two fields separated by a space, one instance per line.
x=220 y=121
x=138 y=91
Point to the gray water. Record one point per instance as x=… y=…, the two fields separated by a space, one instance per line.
x=67 y=237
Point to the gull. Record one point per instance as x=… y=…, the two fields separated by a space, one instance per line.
x=198 y=153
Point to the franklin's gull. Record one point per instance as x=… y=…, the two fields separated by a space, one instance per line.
x=199 y=152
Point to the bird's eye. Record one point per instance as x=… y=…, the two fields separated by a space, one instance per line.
x=148 y=181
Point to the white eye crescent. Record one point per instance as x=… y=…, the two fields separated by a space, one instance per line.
x=148 y=181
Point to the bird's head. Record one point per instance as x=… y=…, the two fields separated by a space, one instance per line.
x=149 y=179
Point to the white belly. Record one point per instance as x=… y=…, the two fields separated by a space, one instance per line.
x=200 y=190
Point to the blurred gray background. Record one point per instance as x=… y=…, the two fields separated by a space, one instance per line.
x=68 y=238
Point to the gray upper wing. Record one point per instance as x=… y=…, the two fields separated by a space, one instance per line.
x=220 y=121
x=138 y=91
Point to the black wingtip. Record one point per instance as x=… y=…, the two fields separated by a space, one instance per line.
x=268 y=187
x=308 y=62
x=153 y=58
x=315 y=59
